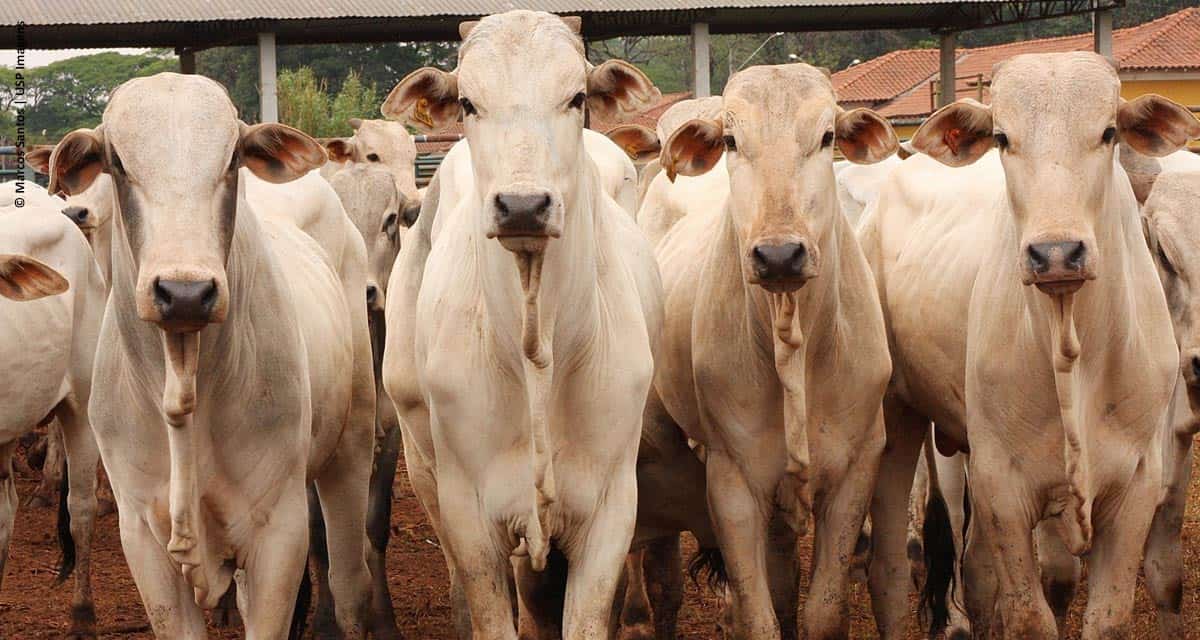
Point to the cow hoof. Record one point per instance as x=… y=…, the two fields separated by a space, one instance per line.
x=83 y=623
x=641 y=631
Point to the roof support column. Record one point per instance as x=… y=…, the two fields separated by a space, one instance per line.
x=187 y=60
x=1102 y=28
x=701 y=81
x=268 y=98
x=946 y=68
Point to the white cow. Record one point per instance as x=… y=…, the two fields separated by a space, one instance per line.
x=384 y=144
x=48 y=344
x=1170 y=190
x=775 y=356
x=214 y=301
x=522 y=387
x=1025 y=321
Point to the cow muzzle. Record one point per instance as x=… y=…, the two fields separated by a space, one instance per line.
x=524 y=219
x=182 y=303
x=1058 y=267
x=1190 y=367
x=782 y=267
x=374 y=297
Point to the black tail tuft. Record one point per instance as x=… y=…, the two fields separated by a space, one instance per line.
x=938 y=538
x=303 y=602
x=65 y=541
x=709 y=564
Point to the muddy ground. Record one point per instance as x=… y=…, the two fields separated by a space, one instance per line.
x=32 y=606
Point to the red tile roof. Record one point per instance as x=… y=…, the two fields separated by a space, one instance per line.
x=1170 y=43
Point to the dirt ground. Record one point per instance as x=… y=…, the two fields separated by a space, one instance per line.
x=33 y=607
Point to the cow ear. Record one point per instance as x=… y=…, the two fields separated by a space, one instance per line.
x=616 y=89
x=355 y=123
x=1155 y=126
x=640 y=143
x=76 y=161
x=278 y=153
x=39 y=158
x=693 y=149
x=864 y=136
x=426 y=98
x=957 y=134
x=23 y=278
x=340 y=150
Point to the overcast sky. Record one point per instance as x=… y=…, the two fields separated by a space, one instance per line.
x=43 y=57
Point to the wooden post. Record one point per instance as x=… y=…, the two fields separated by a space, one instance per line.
x=187 y=60
x=268 y=96
x=701 y=80
x=946 y=68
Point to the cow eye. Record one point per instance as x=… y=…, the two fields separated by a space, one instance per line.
x=577 y=101
x=1001 y=141
x=1110 y=134
x=468 y=108
x=730 y=143
x=826 y=139
x=389 y=223
x=373 y=157
x=1166 y=262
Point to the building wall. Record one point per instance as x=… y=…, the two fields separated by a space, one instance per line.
x=1184 y=91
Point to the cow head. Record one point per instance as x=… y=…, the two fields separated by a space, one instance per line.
x=1171 y=220
x=389 y=145
x=369 y=196
x=778 y=129
x=23 y=278
x=90 y=209
x=521 y=87
x=172 y=146
x=1056 y=119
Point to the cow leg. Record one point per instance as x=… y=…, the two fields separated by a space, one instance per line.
x=379 y=528
x=839 y=508
x=1060 y=570
x=82 y=456
x=8 y=502
x=1164 y=547
x=739 y=516
x=342 y=486
x=662 y=567
x=324 y=622
x=952 y=482
x=633 y=602
x=540 y=597
x=1115 y=556
x=166 y=596
x=274 y=566
x=916 y=518
x=1004 y=596
x=783 y=575
x=479 y=563
x=52 y=467
x=597 y=561
x=890 y=574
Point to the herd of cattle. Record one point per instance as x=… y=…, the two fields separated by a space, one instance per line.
x=749 y=341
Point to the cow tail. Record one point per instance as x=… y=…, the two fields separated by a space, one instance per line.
x=937 y=538
x=708 y=564
x=66 y=542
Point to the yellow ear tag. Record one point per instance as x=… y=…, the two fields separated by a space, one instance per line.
x=421 y=113
x=631 y=151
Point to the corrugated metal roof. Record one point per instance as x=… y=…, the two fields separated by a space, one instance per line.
x=62 y=12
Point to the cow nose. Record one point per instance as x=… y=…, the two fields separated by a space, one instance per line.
x=410 y=214
x=78 y=215
x=372 y=295
x=779 y=261
x=185 y=301
x=1057 y=260
x=1196 y=368
x=522 y=213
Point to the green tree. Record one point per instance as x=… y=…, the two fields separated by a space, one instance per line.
x=306 y=103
